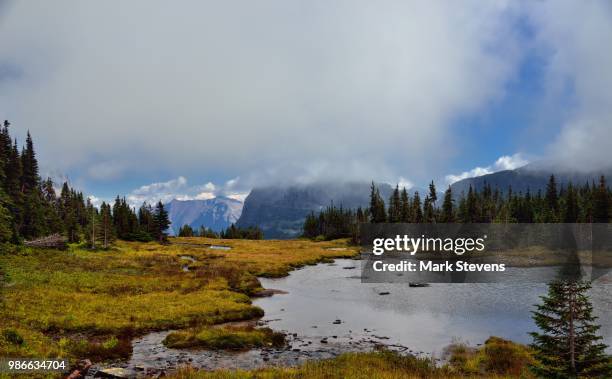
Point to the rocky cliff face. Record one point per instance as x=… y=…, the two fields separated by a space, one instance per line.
x=280 y=210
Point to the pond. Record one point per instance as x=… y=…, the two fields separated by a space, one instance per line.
x=326 y=310
x=423 y=319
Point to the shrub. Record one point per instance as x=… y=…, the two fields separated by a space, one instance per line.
x=225 y=338
x=12 y=337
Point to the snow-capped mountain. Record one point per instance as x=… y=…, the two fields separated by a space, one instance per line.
x=217 y=213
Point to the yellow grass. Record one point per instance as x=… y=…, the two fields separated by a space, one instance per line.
x=70 y=303
x=90 y=304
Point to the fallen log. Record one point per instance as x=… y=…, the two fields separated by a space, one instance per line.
x=54 y=241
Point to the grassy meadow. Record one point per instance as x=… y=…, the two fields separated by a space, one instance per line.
x=80 y=304
x=89 y=304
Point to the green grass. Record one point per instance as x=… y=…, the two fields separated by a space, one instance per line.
x=75 y=303
x=91 y=304
x=226 y=338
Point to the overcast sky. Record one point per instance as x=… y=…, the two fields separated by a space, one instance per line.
x=130 y=96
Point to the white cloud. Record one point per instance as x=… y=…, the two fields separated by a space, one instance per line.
x=505 y=162
x=204 y=196
x=578 y=35
x=161 y=191
x=405 y=183
x=95 y=201
x=180 y=189
x=246 y=87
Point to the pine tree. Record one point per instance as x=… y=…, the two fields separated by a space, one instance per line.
x=29 y=178
x=107 y=231
x=395 y=211
x=161 y=222
x=448 y=213
x=552 y=201
x=405 y=206
x=145 y=218
x=472 y=207
x=6 y=230
x=5 y=148
x=568 y=345
x=430 y=203
x=69 y=214
x=601 y=202
x=311 y=226
x=378 y=213
x=186 y=231
x=417 y=211
x=570 y=214
x=93 y=226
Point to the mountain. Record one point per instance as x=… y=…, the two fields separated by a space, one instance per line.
x=216 y=214
x=533 y=177
x=280 y=210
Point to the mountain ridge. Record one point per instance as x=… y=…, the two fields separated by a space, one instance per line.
x=532 y=177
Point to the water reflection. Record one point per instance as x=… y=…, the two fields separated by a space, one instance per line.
x=424 y=319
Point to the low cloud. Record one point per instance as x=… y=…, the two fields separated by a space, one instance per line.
x=505 y=162
x=321 y=87
x=578 y=81
x=180 y=189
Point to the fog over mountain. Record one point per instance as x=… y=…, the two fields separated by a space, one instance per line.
x=533 y=177
x=360 y=91
x=280 y=210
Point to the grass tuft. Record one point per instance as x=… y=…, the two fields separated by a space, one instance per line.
x=225 y=338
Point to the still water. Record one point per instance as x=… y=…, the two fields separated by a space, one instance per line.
x=330 y=300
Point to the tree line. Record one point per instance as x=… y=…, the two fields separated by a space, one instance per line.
x=231 y=232
x=588 y=203
x=30 y=207
x=568 y=344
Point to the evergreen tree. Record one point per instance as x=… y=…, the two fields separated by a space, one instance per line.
x=93 y=226
x=568 y=345
x=186 y=231
x=161 y=222
x=6 y=230
x=429 y=204
x=311 y=226
x=29 y=164
x=570 y=214
x=395 y=210
x=107 y=231
x=5 y=148
x=552 y=201
x=145 y=218
x=470 y=211
x=448 y=212
x=601 y=202
x=417 y=211
x=405 y=206
x=378 y=213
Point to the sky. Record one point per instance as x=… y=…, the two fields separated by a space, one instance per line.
x=194 y=99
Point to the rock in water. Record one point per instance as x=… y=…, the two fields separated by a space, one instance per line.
x=114 y=372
